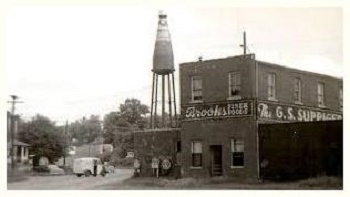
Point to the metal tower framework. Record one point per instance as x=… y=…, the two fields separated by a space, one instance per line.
x=169 y=77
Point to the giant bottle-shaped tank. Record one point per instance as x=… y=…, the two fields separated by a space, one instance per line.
x=163 y=58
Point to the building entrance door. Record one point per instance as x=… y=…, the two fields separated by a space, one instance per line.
x=216 y=160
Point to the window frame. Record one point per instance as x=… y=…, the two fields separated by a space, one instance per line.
x=194 y=155
x=233 y=144
x=297 y=90
x=321 y=94
x=193 y=90
x=271 y=86
x=178 y=146
x=235 y=84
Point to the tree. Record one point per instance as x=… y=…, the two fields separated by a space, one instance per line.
x=93 y=128
x=114 y=123
x=118 y=131
x=118 y=126
x=134 y=112
x=86 y=130
x=158 y=121
x=43 y=136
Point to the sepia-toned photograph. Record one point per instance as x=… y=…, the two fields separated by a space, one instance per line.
x=137 y=96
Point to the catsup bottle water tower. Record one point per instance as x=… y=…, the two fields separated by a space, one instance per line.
x=163 y=67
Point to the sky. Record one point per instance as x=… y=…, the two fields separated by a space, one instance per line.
x=70 y=61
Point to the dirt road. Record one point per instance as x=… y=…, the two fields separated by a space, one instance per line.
x=70 y=182
x=121 y=180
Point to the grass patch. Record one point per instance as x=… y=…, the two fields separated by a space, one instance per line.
x=181 y=183
x=323 y=182
x=229 y=183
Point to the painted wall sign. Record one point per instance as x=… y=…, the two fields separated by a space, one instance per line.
x=278 y=112
x=217 y=110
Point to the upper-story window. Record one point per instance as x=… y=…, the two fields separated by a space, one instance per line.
x=341 y=98
x=271 y=82
x=197 y=88
x=234 y=80
x=297 y=90
x=320 y=94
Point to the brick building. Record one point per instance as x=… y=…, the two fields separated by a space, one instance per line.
x=162 y=144
x=223 y=102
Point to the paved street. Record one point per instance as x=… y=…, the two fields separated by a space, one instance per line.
x=70 y=182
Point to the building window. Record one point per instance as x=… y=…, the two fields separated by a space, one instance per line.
x=341 y=98
x=178 y=152
x=197 y=88
x=234 y=80
x=297 y=90
x=178 y=146
x=320 y=94
x=237 y=151
x=271 y=80
x=196 y=154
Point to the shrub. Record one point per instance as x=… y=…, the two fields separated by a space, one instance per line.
x=122 y=162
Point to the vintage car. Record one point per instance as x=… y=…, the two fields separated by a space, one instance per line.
x=48 y=169
x=55 y=170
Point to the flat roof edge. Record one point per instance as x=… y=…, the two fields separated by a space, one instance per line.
x=157 y=130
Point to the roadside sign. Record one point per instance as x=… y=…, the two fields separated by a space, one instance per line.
x=166 y=164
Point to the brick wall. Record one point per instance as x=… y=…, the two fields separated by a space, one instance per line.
x=158 y=143
x=309 y=81
x=216 y=89
x=215 y=78
x=220 y=133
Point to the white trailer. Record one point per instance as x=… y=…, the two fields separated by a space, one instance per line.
x=88 y=166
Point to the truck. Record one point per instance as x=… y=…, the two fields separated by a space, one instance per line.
x=88 y=166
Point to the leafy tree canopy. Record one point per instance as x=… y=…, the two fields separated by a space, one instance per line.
x=134 y=112
x=43 y=136
x=86 y=130
x=118 y=125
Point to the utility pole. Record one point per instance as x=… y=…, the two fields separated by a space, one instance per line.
x=244 y=45
x=102 y=138
x=12 y=118
x=65 y=143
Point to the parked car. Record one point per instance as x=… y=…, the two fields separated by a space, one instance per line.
x=67 y=169
x=55 y=170
x=41 y=169
x=48 y=169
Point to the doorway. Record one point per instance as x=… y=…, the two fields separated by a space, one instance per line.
x=216 y=160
